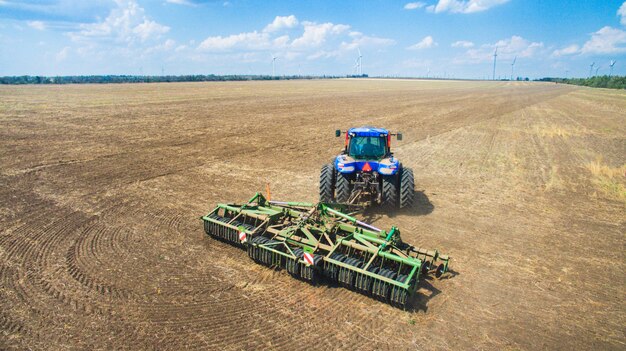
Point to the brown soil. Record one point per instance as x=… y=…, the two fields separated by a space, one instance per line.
x=102 y=187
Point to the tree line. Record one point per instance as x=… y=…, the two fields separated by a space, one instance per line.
x=104 y=79
x=611 y=82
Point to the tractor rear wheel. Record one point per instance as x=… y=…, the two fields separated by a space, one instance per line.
x=342 y=188
x=407 y=188
x=390 y=191
x=327 y=183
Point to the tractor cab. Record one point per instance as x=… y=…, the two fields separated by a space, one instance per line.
x=368 y=143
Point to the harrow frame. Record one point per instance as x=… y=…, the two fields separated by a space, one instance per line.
x=315 y=241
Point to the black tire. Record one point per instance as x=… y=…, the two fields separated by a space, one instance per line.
x=292 y=265
x=390 y=191
x=327 y=183
x=330 y=269
x=407 y=188
x=342 y=187
x=440 y=270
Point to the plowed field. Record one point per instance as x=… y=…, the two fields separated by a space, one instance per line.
x=102 y=187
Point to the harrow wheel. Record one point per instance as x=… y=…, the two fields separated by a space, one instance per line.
x=232 y=235
x=441 y=269
x=220 y=231
x=254 y=252
x=399 y=296
x=331 y=270
x=276 y=234
x=272 y=259
x=211 y=228
x=292 y=265
x=311 y=273
x=425 y=267
x=207 y=228
x=381 y=289
x=346 y=275
x=364 y=282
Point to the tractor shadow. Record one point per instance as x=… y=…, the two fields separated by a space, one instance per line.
x=421 y=207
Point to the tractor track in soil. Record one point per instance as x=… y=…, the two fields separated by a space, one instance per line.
x=101 y=246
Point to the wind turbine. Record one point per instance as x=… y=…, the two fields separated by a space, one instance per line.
x=611 y=67
x=591 y=68
x=359 y=63
x=512 y=66
x=597 y=68
x=495 y=55
x=274 y=65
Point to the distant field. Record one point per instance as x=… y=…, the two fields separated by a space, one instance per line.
x=102 y=187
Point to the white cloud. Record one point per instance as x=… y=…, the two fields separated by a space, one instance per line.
x=426 y=43
x=464 y=6
x=250 y=41
x=316 y=34
x=462 y=44
x=622 y=13
x=323 y=54
x=607 y=40
x=509 y=48
x=127 y=23
x=414 y=5
x=305 y=39
x=148 y=29
x=281 y=41
x=281 y=22
x=359 y=41
x=568 y=50
x=36 y=25
x=167 y=45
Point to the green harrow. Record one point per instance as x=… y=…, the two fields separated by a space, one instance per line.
x=316 y=241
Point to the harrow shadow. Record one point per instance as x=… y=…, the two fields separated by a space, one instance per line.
x=419 y=302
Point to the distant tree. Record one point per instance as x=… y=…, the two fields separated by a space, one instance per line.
x=106 y=79
x=612 y=82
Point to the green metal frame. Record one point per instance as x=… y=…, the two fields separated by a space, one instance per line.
x=322 y=229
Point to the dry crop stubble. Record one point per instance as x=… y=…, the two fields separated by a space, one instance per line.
x=102 y=186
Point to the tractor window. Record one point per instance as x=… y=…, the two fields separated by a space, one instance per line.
x=366 y=147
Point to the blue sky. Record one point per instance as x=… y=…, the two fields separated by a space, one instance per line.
x=441 y=38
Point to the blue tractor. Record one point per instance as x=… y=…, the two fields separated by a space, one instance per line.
x=366 y=172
